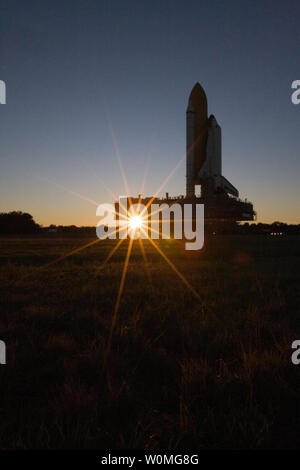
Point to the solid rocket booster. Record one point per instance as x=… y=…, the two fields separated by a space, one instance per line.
x=196 y=136
x=203 y=147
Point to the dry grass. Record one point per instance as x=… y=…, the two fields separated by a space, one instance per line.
x=182 y=372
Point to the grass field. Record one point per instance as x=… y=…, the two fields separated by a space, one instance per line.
x=182 y=371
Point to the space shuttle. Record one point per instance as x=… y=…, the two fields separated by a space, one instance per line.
x=204 y=149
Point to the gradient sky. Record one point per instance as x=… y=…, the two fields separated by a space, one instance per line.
x=80 y=74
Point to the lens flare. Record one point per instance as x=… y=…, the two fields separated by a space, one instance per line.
x=135 y=222
x=137 y=225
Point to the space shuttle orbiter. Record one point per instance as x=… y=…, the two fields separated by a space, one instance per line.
x=204 y=149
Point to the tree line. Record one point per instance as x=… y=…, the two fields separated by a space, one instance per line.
x=22 y=223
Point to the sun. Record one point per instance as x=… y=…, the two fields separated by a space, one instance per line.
x=135 y=222
x=137 y=225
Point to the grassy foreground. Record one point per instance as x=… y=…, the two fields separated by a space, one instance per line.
x=181 y=372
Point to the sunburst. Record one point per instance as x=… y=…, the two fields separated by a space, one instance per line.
x=136 y=224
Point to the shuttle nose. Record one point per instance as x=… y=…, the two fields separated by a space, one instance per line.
x=198 y=100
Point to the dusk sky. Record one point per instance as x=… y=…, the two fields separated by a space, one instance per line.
x=80 y=74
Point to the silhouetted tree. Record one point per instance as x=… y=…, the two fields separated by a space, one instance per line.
x=17 y=222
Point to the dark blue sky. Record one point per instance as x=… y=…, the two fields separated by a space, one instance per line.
x=73 y=67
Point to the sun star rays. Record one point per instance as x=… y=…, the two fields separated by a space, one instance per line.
x=136 y=225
